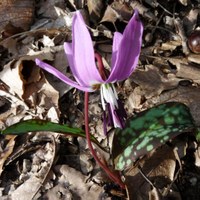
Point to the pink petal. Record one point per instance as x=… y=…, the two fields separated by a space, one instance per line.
x=61 y=76
x=70 y=58
x=115 y=118
x=116 y=43
x=129 y=50
x=69 y=53
x=84 y=67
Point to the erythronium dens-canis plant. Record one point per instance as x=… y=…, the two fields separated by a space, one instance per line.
x=88 y=78
x=81 y=58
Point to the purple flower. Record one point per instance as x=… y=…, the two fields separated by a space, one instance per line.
x=81 y=57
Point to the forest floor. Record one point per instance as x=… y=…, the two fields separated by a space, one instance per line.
x=51 y=165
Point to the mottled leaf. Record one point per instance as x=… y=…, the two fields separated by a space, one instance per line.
x=148 y=130
x=34 y=125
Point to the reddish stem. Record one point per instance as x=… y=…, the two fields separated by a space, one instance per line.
x=112 y=176
x=100 y=66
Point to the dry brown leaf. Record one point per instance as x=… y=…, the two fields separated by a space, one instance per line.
x=41 y=94
x=16 y=14
x=188 y=95
x=12 y=74
x=7 y=151
x=5 y=107
x=194 y=58
x=190 y=20
x=181 y=32
x=77 y=183
x=53 y=14
x=197 y=157
x=77 y=4
x=184 y=2
x=110 y=15
x=34 y=169
x=144 y=11
x=95 y=8
x=117 y=10
x=46 y=8
x=59 y=191
x=64 y=18
x=170 y=45
x=159 y=169
x=11 y=77
x=153 y=82
x=188 y=71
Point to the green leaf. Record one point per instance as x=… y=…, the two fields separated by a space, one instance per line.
x=198 y=134
x=34 y=125
x=148 y=130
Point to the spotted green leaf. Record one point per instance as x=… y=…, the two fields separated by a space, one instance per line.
x=148 y=130
x=34 y=125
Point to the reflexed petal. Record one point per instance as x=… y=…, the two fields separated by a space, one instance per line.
x=83 y=52
x=116 y=43
x=61 y=76
x=129 y=50
x=115 y=118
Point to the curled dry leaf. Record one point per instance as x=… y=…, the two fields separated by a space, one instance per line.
x=15 y=73
x=29 y=84
x=117 y=11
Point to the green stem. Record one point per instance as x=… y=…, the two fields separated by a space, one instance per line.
x=111 y=174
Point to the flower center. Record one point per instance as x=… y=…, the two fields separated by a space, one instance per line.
x=96 y=86
x=109 y=95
